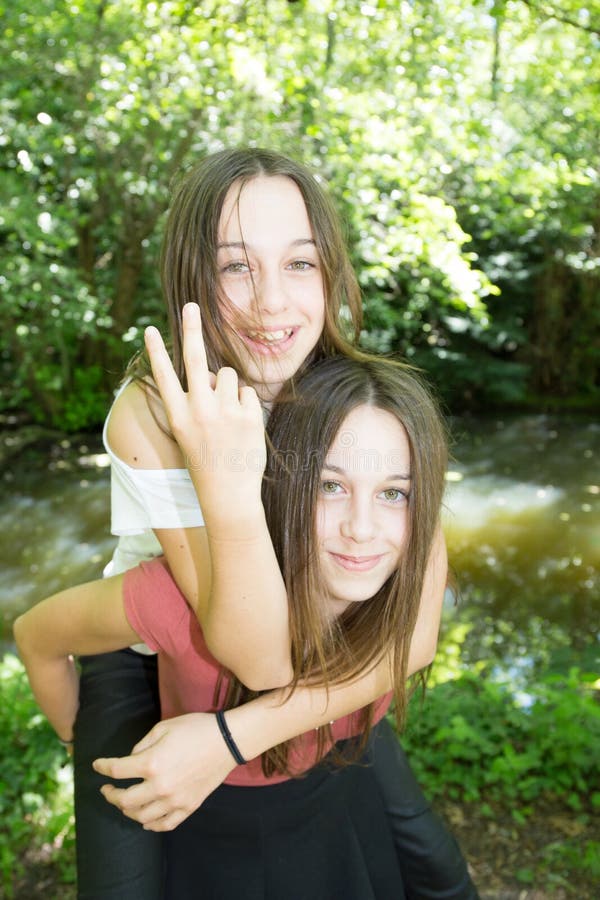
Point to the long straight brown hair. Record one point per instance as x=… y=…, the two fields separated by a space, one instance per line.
x=302 y=427
x=189 y=269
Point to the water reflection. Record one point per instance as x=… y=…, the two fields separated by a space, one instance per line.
x=522 y=523
x=522 y=520
x=54 y=517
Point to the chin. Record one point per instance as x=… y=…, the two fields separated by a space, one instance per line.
x=356 y=599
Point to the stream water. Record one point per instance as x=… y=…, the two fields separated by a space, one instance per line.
x=522 y=520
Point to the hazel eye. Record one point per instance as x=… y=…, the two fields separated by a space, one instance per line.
x=394 y=495
x=330 y=487
x=235 y=268
x=301 y=265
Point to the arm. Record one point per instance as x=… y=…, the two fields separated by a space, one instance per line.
x=423 y=644
x=272 y=718
x=181 y=761
x=85 y=619
x=220 y=432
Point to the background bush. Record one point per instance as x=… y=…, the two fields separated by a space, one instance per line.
x=473 y=739
x=462 y=149
x=36 y=785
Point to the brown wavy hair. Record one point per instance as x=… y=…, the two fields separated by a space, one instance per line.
x=302 y=426
x=189 y=257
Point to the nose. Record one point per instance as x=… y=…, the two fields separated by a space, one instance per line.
x=358 y=523
x=271 y=295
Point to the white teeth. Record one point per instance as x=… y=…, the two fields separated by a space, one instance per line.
x=270 y=336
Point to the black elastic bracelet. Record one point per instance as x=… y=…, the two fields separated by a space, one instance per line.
x=231 y=744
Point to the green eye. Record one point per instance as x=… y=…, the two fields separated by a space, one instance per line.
x=394 y=495
x=329 y=487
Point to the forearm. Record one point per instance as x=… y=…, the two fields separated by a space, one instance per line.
x=424 y=639
x=218 y=425
x=248 y=613
x=56 y=690
x=55 y=686
x=232 y=583
x=84 y=619
x=245 y=623
x=271 y=719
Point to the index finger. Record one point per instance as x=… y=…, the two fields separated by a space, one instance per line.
x=194 y=351
x=163 y=373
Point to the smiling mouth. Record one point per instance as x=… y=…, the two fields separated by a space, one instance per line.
x=270 y=337
x=356 y=563
x=276 y=341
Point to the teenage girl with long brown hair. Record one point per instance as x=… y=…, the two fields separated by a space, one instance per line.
x=352 y=496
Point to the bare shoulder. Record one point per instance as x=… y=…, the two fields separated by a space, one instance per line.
x=138 y=431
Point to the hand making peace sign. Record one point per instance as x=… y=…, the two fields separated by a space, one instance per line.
x=218 y=423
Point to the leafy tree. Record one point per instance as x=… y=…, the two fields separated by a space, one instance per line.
x=462 y=146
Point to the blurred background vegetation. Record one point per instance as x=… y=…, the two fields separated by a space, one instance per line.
x=460 y=139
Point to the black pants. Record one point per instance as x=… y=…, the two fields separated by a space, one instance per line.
x=118 y=705
x=118 y=860
x=431 y=862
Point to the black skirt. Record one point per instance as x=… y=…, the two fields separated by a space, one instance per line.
x=324 y=836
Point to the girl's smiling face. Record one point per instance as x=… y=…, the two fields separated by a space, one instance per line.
x=362 y=509
x=270 y=272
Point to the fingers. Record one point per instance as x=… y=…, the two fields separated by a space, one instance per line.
x=194 y=351
x=142 y=802
x=196 y=365
x=155 y=815
x=137 y=804
x=168 y=822
x=249 y=398
x=226 y=385
x=156 y=733
x=129 y=799
x=199 y=378
x=164 y=374
x=121 y=767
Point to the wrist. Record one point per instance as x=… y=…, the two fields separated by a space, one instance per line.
x=249 y=726
x=68 y=745
x=265 y=722
x=242 y=522
x=229 y=739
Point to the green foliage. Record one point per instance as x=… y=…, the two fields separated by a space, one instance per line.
x=35 y=789
x=73 y=404
x=473 y=740
x=476 y=740
x=463 y=149
x=583 y=856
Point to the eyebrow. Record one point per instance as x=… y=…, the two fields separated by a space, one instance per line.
x=242 y=245
x=340 y=471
